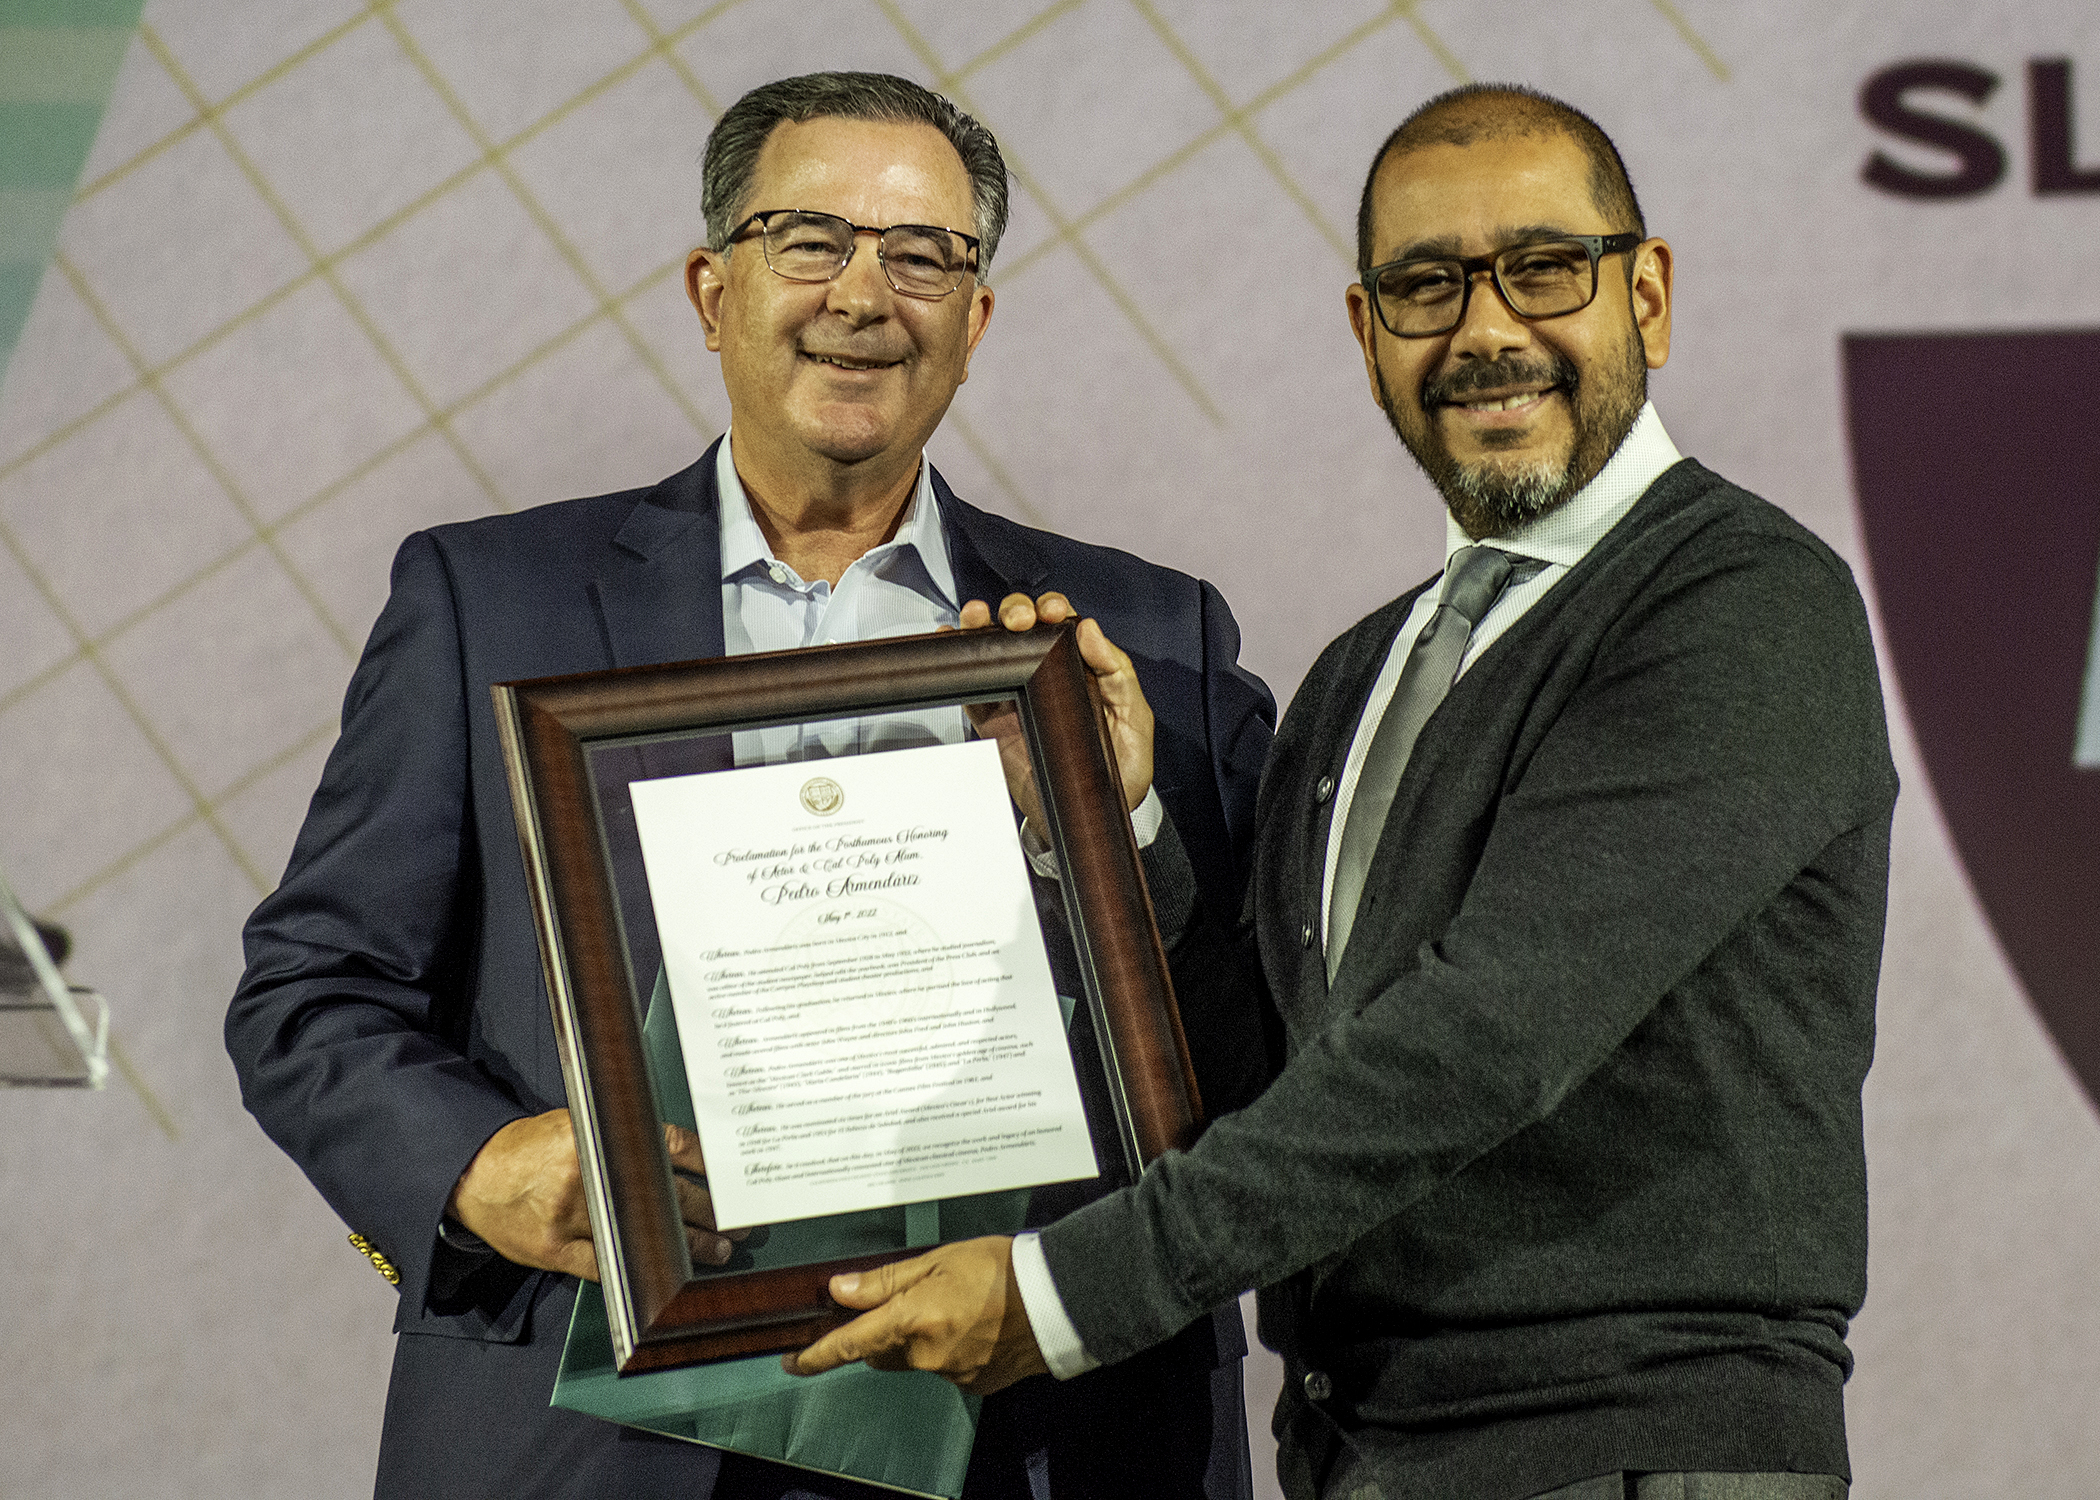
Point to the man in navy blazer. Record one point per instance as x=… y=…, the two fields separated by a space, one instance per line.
x=392 y=1031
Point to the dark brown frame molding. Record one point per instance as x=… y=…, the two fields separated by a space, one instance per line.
x=661 y=1315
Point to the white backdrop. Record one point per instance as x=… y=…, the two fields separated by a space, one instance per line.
x=339 y=271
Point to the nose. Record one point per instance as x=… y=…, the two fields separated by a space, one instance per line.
x=1487 y=327
x=860 y=292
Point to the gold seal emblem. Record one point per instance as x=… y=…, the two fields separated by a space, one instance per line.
x=823 y=796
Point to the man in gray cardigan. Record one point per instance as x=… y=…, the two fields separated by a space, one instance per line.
x=1561 y=1190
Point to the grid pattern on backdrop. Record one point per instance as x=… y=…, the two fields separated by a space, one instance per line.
x=283 y=328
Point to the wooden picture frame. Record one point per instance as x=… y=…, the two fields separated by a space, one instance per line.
x=662 y=1316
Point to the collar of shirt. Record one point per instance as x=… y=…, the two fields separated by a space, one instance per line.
x=1562 y=536
x=1565 y=533
x=744 y=545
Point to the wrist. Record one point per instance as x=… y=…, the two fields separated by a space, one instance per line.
x=457 y=1236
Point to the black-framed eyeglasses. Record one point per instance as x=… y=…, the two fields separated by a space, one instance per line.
x=920 y=260
x=1538 y=279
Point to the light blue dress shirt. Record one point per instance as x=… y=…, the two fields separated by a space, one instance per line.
x=903 y=587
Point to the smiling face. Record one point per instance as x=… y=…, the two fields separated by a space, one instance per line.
x=1510 y=417
x=845 y=376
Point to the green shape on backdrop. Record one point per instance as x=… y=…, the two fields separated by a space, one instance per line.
x=70 y=15
x=58 y=63
x=29 y=217
x=45 y=145
x=18 y=281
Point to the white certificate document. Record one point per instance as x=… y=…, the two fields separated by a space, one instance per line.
x=866 y=1009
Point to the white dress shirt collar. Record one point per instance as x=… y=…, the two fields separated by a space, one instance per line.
x=1568 y=531
x=744 y=544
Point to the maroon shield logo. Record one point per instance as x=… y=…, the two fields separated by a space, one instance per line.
x=1977 y=464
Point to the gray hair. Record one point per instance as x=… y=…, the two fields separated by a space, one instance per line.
x=733 y=146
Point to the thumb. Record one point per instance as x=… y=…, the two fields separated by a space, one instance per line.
x=1098 y=651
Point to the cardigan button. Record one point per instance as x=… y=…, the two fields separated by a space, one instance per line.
x=1317 y=1386
x=1324 y=790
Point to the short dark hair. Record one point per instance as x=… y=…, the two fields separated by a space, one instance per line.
x=1489 y=111
x=734 y=144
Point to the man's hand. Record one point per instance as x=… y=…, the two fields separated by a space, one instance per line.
x=523 y=1193
x=1129 y=715
x=954 y=1310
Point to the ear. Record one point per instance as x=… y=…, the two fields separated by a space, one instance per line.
x=980 y=319
x=1363 y=322
x=706 y=280
x=1651 y=299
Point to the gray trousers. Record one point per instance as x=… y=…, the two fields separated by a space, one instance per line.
x=1648 y=1487
x=1703 y=1487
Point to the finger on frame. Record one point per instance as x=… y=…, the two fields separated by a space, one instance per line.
x=684 y=1148
x=873 y=1287
x=1017 y=612
x=872 y=1335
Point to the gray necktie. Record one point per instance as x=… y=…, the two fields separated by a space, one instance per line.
x=1472 y=583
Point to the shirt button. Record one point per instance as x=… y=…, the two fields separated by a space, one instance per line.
x=780 y=574
x=1305 y=936
x=1324 y=790
x=1317 y=1386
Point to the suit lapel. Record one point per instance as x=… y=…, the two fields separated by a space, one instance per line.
x=658 y=588
x=991 y=558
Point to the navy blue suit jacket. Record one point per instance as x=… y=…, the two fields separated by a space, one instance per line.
x=393 y=1016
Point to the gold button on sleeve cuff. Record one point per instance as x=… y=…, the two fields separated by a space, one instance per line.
x=379 y=1262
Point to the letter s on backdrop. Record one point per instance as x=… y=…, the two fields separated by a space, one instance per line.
x=1881 y=99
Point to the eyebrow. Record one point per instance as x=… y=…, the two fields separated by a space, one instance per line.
x=1447 y=247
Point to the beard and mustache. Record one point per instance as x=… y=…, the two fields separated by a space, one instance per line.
x=1490 y=498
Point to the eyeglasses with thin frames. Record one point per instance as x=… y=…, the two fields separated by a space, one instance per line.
x=919 y=260
x=1421 y=297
